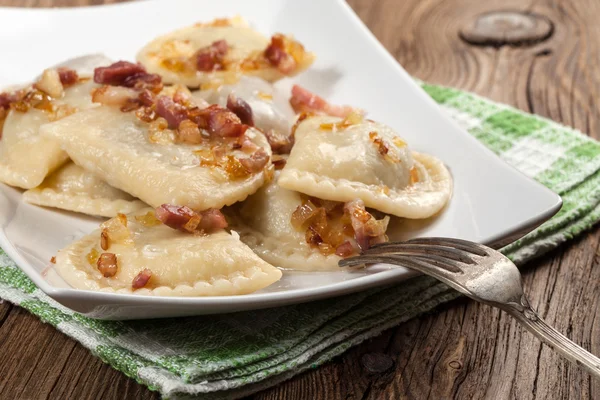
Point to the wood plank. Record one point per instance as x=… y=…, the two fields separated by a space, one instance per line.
x=463 y=350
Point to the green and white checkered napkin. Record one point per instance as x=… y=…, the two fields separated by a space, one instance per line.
x=228 y=356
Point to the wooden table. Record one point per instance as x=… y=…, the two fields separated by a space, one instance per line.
x=463 y=350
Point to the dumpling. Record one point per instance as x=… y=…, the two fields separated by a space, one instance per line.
x=138 y=254
x=182 y=165
x=219 y=52
x=74 y=189
x=298 y=232
x=271 y=110
x=26 y=158
x=353 y=158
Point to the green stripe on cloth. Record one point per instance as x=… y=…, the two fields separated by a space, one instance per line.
x=228 y=356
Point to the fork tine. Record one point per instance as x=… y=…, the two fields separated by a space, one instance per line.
x=425 y=264
x=465 y=245
x=421 y=249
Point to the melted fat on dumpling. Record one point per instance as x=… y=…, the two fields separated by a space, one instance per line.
x=264 y=224
x=115 y=146
x=336 y=161
x=74 y=189
x=181 y=264
x=26 y=158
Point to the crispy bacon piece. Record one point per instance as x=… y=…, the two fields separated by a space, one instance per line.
x=280 y=143
x=173 y=112
x=107 y=264
x=211 y=58
x=175 y=217
x=240 y=108
x=367 y=229
x=345 y=249
x=187 y=220
x=212 y=220
x=144 y=81
x=67 y=76
x=217 y=120
x=141 y=279
x=277 y=55
x=303 y=100
x=116 y=74
x=256 y=162
x=279 y=162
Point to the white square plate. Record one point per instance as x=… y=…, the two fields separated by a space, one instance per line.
x=492 y=202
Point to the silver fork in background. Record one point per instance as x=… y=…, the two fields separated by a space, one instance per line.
x=481 y=273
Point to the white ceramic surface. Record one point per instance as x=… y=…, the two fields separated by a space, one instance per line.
x=492 y=202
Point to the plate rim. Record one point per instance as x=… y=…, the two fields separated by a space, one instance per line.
x=258 y=300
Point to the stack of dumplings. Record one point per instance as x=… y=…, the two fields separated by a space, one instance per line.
x=214 y=182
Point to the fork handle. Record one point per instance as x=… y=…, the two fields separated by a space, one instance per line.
x=536 y=325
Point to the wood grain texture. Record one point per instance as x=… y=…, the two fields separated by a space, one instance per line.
x=464 y=350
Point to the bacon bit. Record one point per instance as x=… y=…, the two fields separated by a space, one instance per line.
x=303 y=100
x=212 y=220
x=345 y=249
x=116 y=73
x=53 y=260
x=278 y=162
x=104 y=240
x=189 y=133
x=107 y=264
x=256 y=162
x=245 y=144
x=186 y=220
x=144 y=81
x=367 y=230
x=7 y=98
x=225 y=123
x=92 y=256
x=149 y=219
x=280 y=143
x=414 y=175
x=141 y=279
x=50 y=83
x=67 y=76
x=173 y=112
x=147 y=98
x=240 y=108
x=212 y=58
x=277 y=55
x=175 y=217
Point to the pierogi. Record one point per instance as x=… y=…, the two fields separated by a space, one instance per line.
x=263 y=222
x=74 y=189
x=210 y=54
x=136 y=157
x=141 y=255
x=353 y=158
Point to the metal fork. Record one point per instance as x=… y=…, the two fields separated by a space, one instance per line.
x=481 y=273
